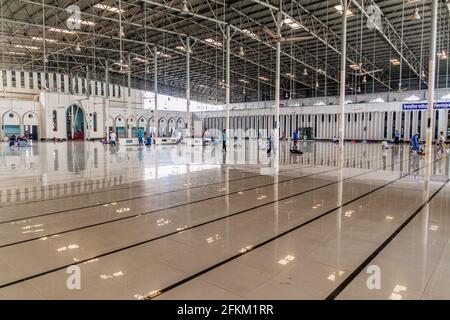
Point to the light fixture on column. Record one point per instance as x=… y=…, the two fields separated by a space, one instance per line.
x=241 y=51
x=184 y=7
x=121 y=32
x=364 y=80
x=416 y=15
x=305 y=72
x=317 y=84
x=77 y=48
x=359 y=89
x=286 y=95
x=423 y=75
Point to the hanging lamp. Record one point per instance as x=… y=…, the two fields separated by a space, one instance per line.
x=241 y=51
x=416 y=15
x=184 y=7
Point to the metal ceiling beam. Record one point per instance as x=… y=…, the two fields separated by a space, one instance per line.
x=124 y=22
x=323 y=33
x=395 y=41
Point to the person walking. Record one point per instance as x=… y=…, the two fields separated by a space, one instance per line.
x=224 y=140
x=415 y=143
x=441 y=142
x=140 y=136
x=295 y=138
x=396 y=137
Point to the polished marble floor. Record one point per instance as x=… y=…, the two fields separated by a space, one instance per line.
x=174 y=222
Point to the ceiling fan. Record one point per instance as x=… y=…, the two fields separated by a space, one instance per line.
x=276 y=38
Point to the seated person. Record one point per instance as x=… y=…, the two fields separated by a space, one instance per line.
x=148 y=141
x=385 y=144
x=22 y=142
x=12 y=140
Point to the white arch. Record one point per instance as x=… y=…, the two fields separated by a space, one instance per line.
x=181 y=124
x=172 y=123
x=142 y=122
x=26 y=120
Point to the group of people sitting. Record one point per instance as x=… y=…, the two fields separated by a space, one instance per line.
x=114 y=141
x=416 y=146
x=22 y=141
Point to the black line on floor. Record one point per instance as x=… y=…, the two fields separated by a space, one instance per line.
x=139 y=197
x=196 y=226
x=118 y=201
x=125 y=188
x=195 y=275
x=364 y=264
x=172 y=207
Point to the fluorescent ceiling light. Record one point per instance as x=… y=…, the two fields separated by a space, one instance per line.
x=25 y=47
x=377 y=100
x=121 y=64
x=250 y=34
x=263 y=78
x=15 y=53
x=108 y=8
x=292 y=24
x=355 y=66
x=243 y=81
x=163 y=55
x=442 y=55
x=290 y=75
x=412 y=98
x=394 y=61
x=213 y=42
x=139 y=59
x=340 y=10
x=86 y=23
x=42 y=39
x=61 y=30
x=183 y=48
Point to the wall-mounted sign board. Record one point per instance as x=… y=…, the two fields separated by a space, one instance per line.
x=424 y=106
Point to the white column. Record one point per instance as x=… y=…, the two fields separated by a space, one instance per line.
x=188 y=86
x=431 y=75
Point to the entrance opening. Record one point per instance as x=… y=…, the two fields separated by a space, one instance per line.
x=30 y=126
x=75 y=123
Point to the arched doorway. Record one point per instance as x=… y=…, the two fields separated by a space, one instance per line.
x=120 y=126
x=132 y=131
x=11 y=124
x=31 y=125
x=172 y=125
x=142 y=124
x=152 y=126
x=163 y=127
x=75 y=122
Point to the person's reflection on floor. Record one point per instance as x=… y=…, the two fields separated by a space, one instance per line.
x=140 y=154
x=415 y=164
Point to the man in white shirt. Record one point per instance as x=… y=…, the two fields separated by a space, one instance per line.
x=441 y=141
x=112 y=138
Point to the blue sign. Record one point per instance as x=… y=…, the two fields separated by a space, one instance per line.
x=424 y=106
